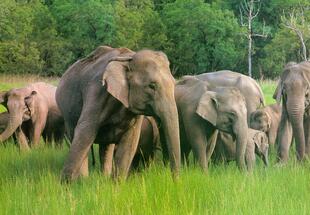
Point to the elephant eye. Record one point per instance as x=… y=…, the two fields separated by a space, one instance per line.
x=153 y=86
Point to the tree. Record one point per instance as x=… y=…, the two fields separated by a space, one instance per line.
x=201 y=38
x=296 y=21
x=249 y=11
x=84 y=24
x=18 y=52
x=138 y=25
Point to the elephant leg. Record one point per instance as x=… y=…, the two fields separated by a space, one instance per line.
x=84 y=168
x=307 y=135
x=84 y=135
x=126 y=149
x=272 y=135
x=251 y=107
x=22 y=139
x=58 y=137
x=250 y=156
x=36 y=135
x=185 y=146
x=284 y=138
x=106 y=153
x=196 y=137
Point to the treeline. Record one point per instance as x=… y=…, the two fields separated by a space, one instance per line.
x=45 y=37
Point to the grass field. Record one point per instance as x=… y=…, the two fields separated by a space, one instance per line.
x=29 y=184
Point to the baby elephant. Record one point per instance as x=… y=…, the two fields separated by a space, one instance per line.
x=225 y=149
x=149 y=143
x=267 y=119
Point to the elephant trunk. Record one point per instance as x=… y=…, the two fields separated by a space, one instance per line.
x=295 y=110
x=13 y=123
x=170 y=128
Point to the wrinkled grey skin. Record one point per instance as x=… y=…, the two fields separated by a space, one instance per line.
x=293 y=89
x=225 y=149
x=4 y=119
x=267 y=119
x=102 y=97
x=32 y=111
x=202 y=112
x=149 y=143
x=249 y=88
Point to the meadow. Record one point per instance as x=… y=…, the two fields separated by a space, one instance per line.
x=29 y=184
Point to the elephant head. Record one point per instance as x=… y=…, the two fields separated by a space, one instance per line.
x=143 y=83
x=225 y=109
x=260 y=120
x=20 y=105
x=294 y=90
x=261 y=145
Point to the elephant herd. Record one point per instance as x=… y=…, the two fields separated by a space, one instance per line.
x=130 y=104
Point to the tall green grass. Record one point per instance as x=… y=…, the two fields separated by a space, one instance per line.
x=29 y=184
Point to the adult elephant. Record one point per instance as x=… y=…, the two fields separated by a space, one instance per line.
x=202 y=112
x=102 y=97
x=249 y=88
x=32 y=111
x=294 y=90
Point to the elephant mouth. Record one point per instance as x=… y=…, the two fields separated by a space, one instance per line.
x=147 y=111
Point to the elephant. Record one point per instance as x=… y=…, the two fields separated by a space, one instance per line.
x=4 y=119
x=249 y=88
x=102 y=98
x=32 y=111
x=267 y=119
x=293 y=89
x=149 y=143
x=257 y=144
x=202 y=112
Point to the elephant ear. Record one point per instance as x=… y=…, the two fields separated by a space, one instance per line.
x=30 y=99
x=207 y=107
x=3 y=97
x=278 y=92
x=260 y=139
x=115 y=78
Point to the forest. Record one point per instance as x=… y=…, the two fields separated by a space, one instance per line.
x=45 y=37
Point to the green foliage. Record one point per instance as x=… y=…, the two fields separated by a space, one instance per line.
x=18 y=53
x=138 y=25
x=46 y=36
x=202 y=38
x=84 y=24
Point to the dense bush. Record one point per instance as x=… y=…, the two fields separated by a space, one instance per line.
x=45 y=37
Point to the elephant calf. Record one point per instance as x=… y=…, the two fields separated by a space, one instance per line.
x=149 y=142
x=267 y=119
x=225 y=149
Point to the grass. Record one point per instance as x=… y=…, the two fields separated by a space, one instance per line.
x=29 y=184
